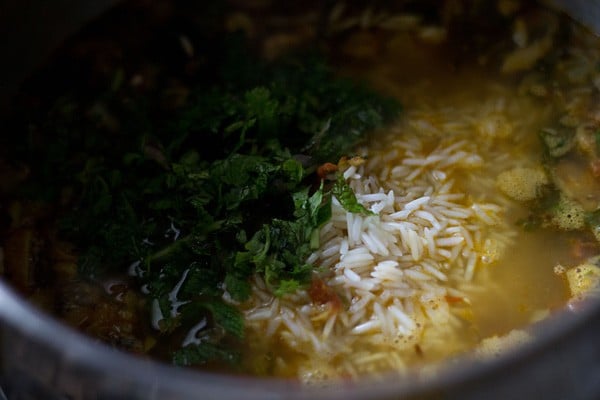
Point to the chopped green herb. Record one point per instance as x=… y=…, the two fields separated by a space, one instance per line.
x=347 y=198
x=208 y=196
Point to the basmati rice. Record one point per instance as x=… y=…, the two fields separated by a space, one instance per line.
x=406 y=276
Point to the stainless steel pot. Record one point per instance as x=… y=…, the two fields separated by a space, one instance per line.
x=43 y=359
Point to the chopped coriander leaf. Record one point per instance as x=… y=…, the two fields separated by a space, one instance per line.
x=215 y=193
x=347 y=198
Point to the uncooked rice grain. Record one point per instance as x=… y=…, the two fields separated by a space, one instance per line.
x=392 y=273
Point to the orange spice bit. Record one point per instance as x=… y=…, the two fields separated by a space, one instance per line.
x=453 y=299
x=326 y=169
x=320 y=293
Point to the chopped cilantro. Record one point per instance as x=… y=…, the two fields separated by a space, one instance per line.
x=213 y=193
x=347 y=198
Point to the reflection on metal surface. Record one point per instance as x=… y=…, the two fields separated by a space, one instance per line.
x=587 y=12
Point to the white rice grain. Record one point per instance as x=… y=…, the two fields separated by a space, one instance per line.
x=366 y=327
x=413 y=205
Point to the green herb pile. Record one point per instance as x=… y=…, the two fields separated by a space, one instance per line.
x=198 y=202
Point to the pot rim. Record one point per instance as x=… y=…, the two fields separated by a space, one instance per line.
x=84 y=352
